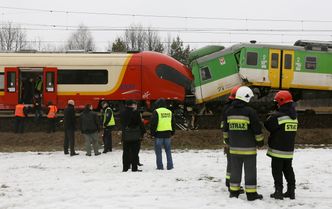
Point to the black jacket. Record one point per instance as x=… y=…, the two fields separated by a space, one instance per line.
x=242 y=135
x=132 y=119
x=282 y=125
x=154 y=125
x=89 y=122
x=69 y=118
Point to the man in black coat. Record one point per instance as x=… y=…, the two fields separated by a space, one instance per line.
x=130 y=118
x=70 y=126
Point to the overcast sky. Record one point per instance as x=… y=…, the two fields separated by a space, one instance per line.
x=306 y=19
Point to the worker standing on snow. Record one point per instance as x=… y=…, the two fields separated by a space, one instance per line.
x=282 y=125
x=108 y=124
x=243 y=132
x=226 y=148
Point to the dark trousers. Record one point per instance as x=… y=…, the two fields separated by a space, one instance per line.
x=19 y=124
x=282 y=167
x=228 y=169
x=107 y=139
x=250 y=171
x=69 y=141
x=51 y=125
x=130 y=155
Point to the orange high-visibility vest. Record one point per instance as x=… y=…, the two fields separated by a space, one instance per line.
x=19 y=112
x=52 y=112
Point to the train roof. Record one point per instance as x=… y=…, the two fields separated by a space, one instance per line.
x=237 y=47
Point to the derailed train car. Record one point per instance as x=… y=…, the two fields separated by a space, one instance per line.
x=303 y=68
x=92 y=78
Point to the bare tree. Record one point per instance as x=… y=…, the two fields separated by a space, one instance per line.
x=12 y=38
x=168 y=44
x=81 y=39
x=153 y=41
x=135 y=37
x=139 y=38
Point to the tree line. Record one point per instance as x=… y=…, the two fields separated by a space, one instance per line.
x=134 y=38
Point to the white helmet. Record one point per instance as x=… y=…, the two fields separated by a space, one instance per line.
x=244 y=93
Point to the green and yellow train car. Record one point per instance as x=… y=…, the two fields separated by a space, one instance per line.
x=305 y=66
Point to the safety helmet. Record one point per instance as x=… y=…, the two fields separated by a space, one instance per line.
x=283 y=97
x=244 y=93
x=233 y=92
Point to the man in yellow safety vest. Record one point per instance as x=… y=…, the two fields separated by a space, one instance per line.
x=162 y=128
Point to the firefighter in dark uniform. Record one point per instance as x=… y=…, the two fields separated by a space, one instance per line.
x=243 y=133
x=226 y=148
x=282 y=125
x=20 y=115
x=108 y=124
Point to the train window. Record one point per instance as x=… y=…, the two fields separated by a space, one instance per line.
x=2 y=81
x=82 y=76
x=205 y=73
x=168 y=73
x=252 y=58
x=11 y=81
x=288 y=61
x=50 y=82
x=310 y=63
x=274 y=60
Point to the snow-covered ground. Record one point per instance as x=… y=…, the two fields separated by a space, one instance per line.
x=52 y=180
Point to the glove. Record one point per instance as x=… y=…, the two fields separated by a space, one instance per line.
x=260 y=143
x=226 y=149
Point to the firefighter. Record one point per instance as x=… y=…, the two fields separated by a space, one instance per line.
x=108 y=124
x=226 y=148
x=20 y=115
x=243 y=132
x=282 y=125
x=51 y=116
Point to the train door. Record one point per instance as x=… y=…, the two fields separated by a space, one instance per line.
x=275 y=67
x=28 y=84
x=287 y=73
x=11 y=86
x=50 y=88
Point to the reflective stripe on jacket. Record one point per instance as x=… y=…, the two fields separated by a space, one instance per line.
x=164 y=119
x=280 y=154
x=242 y=130
x=282 y=125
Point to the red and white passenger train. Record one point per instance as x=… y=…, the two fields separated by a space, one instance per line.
x=92 y=78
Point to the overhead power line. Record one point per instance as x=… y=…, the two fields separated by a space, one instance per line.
x=186 y=42
x=166 y=16
x=244 y=31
